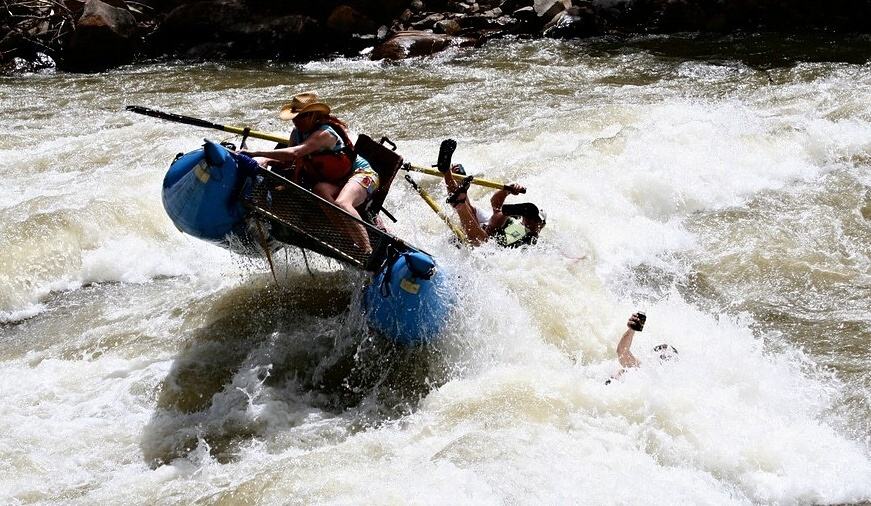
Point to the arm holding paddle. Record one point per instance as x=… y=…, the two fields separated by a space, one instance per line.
x=318 y=141
x=498 y=219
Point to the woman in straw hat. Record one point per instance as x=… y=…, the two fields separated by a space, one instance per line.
x=324 y=160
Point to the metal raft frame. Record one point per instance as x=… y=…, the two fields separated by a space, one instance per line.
x=300 y=218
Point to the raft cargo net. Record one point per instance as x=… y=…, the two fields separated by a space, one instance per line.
x=301 y=218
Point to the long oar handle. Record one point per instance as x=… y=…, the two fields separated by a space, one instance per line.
x=187 y=120
x=459 y=177
x=438 y=210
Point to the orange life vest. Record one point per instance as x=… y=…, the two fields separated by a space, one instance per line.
x=329 y=166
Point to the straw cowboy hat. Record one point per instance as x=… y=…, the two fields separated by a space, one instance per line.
x=301 y=103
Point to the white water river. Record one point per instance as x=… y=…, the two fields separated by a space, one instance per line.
x=731 y=203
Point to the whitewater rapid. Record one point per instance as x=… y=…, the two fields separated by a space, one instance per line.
x=731 y=203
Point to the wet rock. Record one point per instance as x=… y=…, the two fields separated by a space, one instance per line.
x=459 y=7
x=347 y=20
x=448 y=26
x=477 y=22
x=573 y=23
x=104 y=37
x=428 y=22
x=406 y=16
x=525 y=14
x=416 y=5
x=410 y=44
x=548 y=9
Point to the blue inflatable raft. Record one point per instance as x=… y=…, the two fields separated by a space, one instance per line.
x=218 y=196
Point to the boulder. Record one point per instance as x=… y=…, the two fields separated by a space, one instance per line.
x=428 y=22
x=525 y=14
x=347 y=20
x=104 y=37
x=448 y=26
x=573 y=23
x=409 y=44
x=548 y=9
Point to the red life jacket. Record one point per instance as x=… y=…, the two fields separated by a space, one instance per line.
x=329 y=166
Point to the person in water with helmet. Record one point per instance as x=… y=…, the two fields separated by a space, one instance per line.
x=624 y=355
x=323 y=159
x=510 y=225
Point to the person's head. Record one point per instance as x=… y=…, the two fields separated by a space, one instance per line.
x=665 y=352
x=306 y=110
x=533 y=218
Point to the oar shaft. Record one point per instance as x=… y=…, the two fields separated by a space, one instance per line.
x=438 y=210
x=188 y=120
x=459 y=177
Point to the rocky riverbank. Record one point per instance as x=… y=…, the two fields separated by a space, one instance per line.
x=94 y=35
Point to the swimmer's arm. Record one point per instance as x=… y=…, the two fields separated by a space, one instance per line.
x=499 y=197
x=318 y=141
x=624 y=355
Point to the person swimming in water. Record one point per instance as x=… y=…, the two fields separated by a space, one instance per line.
x=625 y=357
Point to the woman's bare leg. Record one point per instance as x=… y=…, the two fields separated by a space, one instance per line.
x=351 y=196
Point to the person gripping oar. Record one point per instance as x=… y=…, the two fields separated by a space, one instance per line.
x=324 y=159
x=510 y=225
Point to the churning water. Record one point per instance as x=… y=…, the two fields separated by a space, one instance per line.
x=730 y=201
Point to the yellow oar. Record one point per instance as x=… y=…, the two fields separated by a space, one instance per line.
x=247 y=132
x=438 y=210
x=459 y=177
x=187 y=120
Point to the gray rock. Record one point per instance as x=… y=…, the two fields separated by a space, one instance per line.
x=416 y=5
x=572 y=23
x=525 y=14
x=548 y=9
x=428 y=22
x=447 y=26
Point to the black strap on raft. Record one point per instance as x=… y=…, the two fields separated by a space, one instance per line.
x=387 y=213
x=264 y=243
x=245 y=133
x=305 y=257
x=392 y=257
